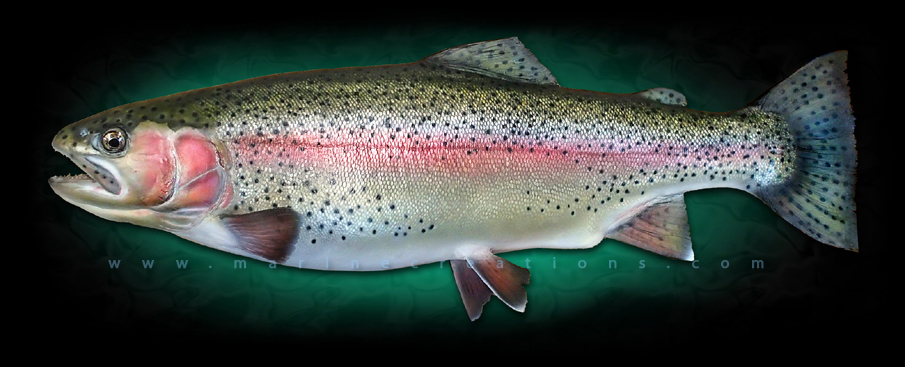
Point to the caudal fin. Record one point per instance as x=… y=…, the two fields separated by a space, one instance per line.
x=819 y=197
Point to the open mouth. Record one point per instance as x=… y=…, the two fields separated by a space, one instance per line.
x=103 y=177
x=97 y=181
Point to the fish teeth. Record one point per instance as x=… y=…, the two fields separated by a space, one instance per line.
x=70 y=177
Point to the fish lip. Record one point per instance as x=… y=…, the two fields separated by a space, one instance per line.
x=81 y=189
x=64 y=185
x=104 y=176
x=98 y=179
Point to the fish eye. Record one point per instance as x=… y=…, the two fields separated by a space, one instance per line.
x=114 y=140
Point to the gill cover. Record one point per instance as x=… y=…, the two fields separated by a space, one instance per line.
x=151 y=176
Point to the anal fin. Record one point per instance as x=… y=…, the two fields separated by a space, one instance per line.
x=270 y=234
x=482 y=274
x=661 y=227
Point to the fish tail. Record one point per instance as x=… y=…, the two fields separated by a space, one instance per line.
x=818 y=197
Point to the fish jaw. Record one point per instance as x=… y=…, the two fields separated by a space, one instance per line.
x=160 y=178
x=100 y=188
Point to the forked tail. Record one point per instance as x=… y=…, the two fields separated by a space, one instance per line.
x=819 y=196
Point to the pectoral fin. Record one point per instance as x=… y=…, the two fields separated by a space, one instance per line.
x=482 y=273
x=270 y=234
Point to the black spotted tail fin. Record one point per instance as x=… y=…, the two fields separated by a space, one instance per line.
x=819 y=196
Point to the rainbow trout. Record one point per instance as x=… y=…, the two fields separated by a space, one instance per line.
x=467 y=153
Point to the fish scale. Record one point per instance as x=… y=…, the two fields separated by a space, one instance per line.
x=470 y=152
x=334 y=163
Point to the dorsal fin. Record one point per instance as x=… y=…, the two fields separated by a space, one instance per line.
x=504 y=58
x=665 y=96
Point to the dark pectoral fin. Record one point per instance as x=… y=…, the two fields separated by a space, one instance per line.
x=661 y=227
x=482 y=273
x=270 y=234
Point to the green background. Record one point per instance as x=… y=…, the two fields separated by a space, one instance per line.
x=805 y=291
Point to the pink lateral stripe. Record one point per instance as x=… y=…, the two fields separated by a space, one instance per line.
x=474 y=153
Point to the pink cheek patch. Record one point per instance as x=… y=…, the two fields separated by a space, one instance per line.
x=196 y=154
x=202 y=192
x=154 y=167
x=199 y=178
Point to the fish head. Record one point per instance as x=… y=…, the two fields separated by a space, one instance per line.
x=144 y=173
